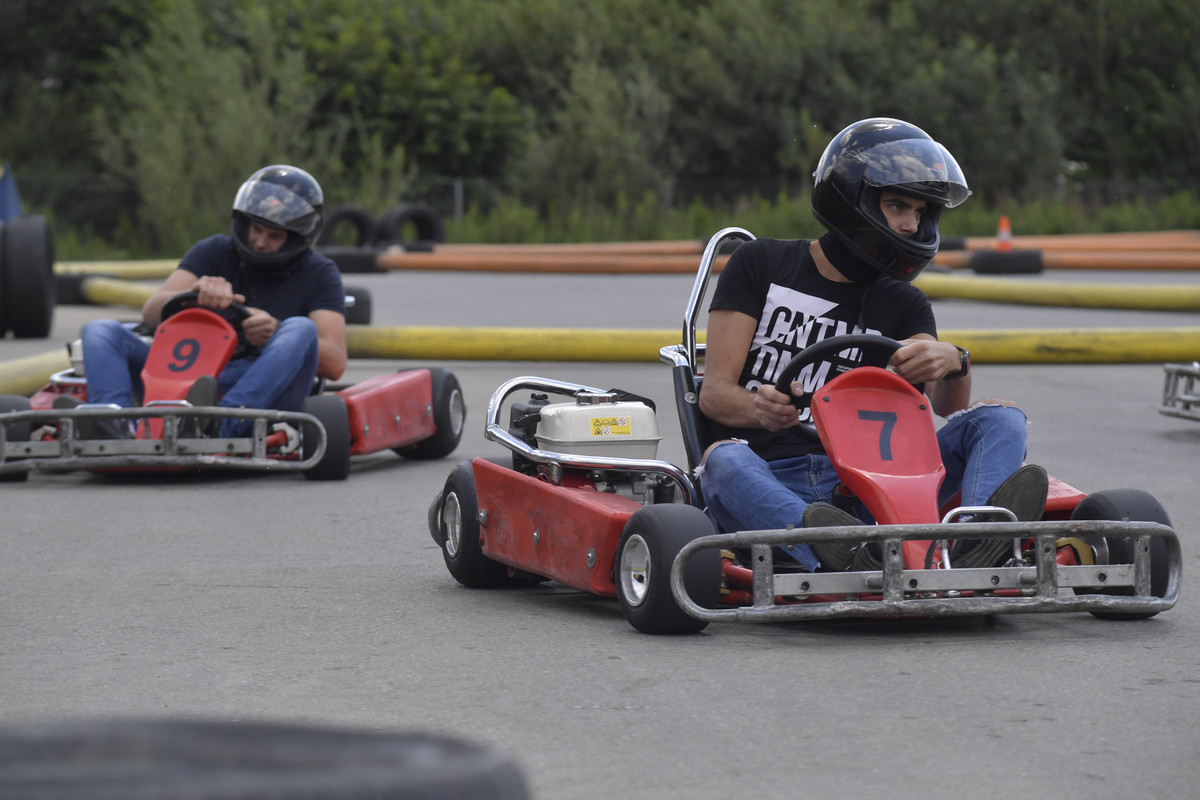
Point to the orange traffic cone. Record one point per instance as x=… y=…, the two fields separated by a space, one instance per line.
x=1004 y=241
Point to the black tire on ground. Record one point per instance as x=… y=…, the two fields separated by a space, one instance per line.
x=330 y=409
x=458 y=528
x=652 y=538
x=352 y=259
x=17 y=432
x=360 y=312
x=28 y=264
x=347 y=225
x=449 y=417
x=422 y=221
x=142 y=759
x=1010 y=262
x=1137 y=506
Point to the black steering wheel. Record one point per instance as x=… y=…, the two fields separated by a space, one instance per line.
x=877 y=351
x=236 y=312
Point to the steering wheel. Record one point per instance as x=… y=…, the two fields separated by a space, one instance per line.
x=877 y=351
x=236 y=312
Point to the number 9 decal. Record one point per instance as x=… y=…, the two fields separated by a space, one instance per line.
x=185 y=353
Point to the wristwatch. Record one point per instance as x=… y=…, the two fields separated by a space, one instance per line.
x=964 y=362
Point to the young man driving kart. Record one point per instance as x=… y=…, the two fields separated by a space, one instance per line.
x=879 y=189
x=296 y=328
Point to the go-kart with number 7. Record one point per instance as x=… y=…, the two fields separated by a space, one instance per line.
x=418 y=413
x=587 y=504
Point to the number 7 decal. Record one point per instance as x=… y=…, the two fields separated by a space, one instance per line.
x=888 y=418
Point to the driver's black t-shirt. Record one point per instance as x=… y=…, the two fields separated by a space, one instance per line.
x=311 y=281
x=777 y=283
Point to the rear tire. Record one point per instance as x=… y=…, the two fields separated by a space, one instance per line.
x=449 y=417
x=652 y=539
x=1132 y=505
x=458 y=533
x=29 y=287
x=330 y=410
x=17 y=432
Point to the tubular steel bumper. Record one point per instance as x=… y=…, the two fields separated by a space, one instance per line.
x=894 y=591
x=69 y=452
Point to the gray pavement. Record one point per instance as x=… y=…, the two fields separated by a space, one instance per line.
x=275 y=598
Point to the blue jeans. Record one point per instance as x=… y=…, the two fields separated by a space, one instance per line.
x=980 y=448
x=280 y=376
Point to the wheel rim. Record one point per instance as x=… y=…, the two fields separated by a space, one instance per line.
x=452 y=521
x=458 y=411
x=635 y=570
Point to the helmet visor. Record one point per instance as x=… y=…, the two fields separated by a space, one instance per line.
x=921 y=167
x=276 y=206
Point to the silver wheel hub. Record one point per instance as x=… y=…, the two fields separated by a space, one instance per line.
x=635 y=570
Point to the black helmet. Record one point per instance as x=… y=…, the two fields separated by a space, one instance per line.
x=282 y=197
x=885 y=153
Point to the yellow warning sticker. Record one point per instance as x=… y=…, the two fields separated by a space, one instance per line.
x=611 y=426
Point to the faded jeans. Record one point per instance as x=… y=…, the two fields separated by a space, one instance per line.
x=279 y=377
x=980 y=447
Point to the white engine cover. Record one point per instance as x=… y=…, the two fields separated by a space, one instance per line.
x=599 y=425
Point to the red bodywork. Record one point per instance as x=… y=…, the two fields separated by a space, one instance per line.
x=389 y=411
x=577 y=528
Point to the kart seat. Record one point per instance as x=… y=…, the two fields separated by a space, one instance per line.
x=696 y=429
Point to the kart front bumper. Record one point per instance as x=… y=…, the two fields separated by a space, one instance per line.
x=894 y=591
x=64 y=450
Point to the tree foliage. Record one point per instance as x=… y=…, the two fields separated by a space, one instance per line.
x=570 y=108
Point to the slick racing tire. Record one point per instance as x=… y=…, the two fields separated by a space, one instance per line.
x=449 y=417
x=17 y=432
x=1137 y=506
x=205 y=760
x=27 y=261
x=652 y=539
x=459 y=534
x=330 y=410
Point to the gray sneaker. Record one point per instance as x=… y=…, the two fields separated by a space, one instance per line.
x=203 y=394
x=1023 y=493
x=834 y=556
x=89 y=428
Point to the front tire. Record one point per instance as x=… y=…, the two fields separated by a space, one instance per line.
x=458 y=533
x=652 y=539
x=1132 y=505
x=17 y=432
x=330 y=410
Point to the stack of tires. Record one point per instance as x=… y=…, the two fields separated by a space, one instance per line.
x=412 y=226
x=27 y=291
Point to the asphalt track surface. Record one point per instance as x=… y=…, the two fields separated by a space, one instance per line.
x=272 y=598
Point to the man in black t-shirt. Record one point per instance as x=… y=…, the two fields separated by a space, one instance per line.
x=296 y=329
x=879 y=189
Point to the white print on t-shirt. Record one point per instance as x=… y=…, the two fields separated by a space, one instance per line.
x=791 y=321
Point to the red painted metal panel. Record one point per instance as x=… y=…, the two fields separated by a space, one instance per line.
x=389 y=411
x=569 y=523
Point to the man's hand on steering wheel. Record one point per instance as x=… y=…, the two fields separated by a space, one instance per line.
x=921 y=361
x=774 y=408
x=259 y=327
x=215 y=293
